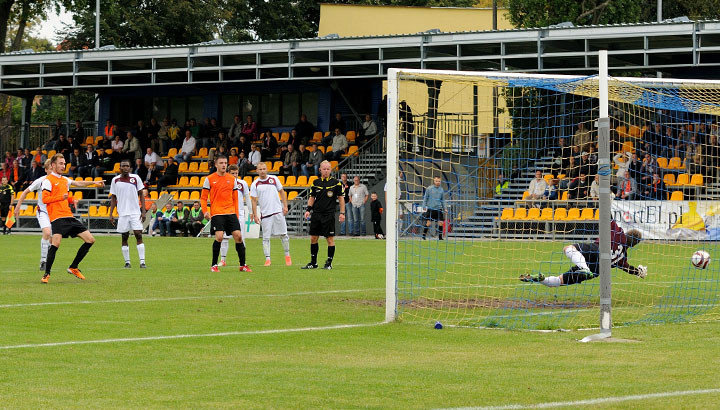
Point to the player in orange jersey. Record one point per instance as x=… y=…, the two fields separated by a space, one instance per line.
x=221 y=189
x=63 y=224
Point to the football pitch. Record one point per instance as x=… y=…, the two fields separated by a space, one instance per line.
x=176 y=335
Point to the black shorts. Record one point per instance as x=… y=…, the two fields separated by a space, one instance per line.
x=322 y=225
x=4 y=209
x=227 y=223
x=434 y=215
x=67 y=227
x=591 y=252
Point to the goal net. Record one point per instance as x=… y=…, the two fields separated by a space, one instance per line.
x=494 y=176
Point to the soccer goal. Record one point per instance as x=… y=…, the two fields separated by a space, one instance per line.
x=533 y=171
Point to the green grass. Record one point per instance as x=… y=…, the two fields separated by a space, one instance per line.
x=399 y=365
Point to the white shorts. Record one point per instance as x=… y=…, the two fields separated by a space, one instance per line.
x=43 y=219
x=273 y=225
x=127 y=223
x=241 y=219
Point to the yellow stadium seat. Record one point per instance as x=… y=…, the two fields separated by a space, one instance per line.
x=622 y=131
x=284 y=137
x=562 y=176
x=31 y=196
x=291 y=181
x=171 y=153
x=669 y=179
x=525 y=195
x=77 y=195
x=93 y=211
x=533 y=214
x=627 y=146
x=184 y=181
x=521 y=213
x=153 y=195
x=248 y=180
x=204 y=167
x=507 y=213
x=302 y=181
x=183 y=167
x=115 y=213
x=697 y=179
x=635 y=131
x=175 y=195
x=103 y=211
x=352 y=151
x=108 y=151
x=683 y=179
x=281 y=178
x=350 y=135
x=115 y=170
x=675 y=163
x=202 y=181
x=203 y=153
x=548 y=177
x=676 y=196
x=573 y=214
x=587 y=214
x=560 y=214
x=317 y=137
x=333 y=164
x=276 y=166
x=597 y=215
x=98 y=179
x=321 y=148
x=194 y=182
x=662 y=162
x=292 y=195
x=98 y=139
x=184 y=196
x=564 y=196
x=51 y=153
x=193 y=167
x=195 y=196
x=546 y=215
x=312 y=179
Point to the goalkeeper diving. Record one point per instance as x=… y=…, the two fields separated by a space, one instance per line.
x=586 y=257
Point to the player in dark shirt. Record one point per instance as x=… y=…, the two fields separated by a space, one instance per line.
x=325 y=192
x=586 y=257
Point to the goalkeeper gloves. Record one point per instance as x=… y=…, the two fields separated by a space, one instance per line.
x=642 y=271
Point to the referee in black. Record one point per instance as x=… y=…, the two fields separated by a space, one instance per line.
x=325 y=192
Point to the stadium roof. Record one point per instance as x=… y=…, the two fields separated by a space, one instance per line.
x=658 y=46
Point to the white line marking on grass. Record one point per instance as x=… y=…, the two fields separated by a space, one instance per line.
x=189 y=336
x=271 y=295
x=602 y=400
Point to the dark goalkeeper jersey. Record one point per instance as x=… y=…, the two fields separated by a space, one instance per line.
x=326 y=192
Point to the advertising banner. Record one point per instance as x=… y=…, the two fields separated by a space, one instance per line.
x=676 y=220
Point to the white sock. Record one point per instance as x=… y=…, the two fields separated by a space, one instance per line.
x=266 y=247
x=141 y=252
x=552 y=281
x=286 y=244
x=224 y=245
x=126 y=253
x=44 y=246
x=576 y=257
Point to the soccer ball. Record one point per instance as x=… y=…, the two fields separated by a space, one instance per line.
x=700 y=259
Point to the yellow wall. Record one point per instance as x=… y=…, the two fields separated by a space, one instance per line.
x=352 y=20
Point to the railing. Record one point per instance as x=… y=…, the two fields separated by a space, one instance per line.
x=37 y=135
x=453 y=132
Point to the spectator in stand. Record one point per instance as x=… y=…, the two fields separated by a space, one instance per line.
x=291 y=162
x=252 y=162
x=711 y=161
x=585 y=164
x=501 y=185
x=235 y=130
x=140 y=169
x=313 y=162
x=304 y=158
x=154 y=226
x=210 y=134
x=152 y=175
x=376 y=211
x=244 y=144
x=88 y=162
x=59 y=129
x=667 y=142
x=701 y=134
x=153 y=132
x=74 y=143
x=358 y=197
x=647 y=169
x=6 y=171
x=174 y=135
x=339 y=145
x=18 y=176
x=34 y=172
x=194 y=128
x=627 y=188
x=163 y=137
x=634 y=167
x=6 y=197
x=537 y=187
x=348 y=206
x=20 y=157
x=233 y=158
x=165 y=220
x=655 y=189
x=63 y=146
x=170 y=177
x=249 y=129
x=305 y=129
x=27 y=159
x=622 y=160
x=9 y=158
x=561 y=156
x=294 y=140
x=78 y=133
x=578 y=188
x=338 y=122
x=551 y=192
x=110 y=130
x=117 y=149
x=369 y=130
x=179 y=221
x=269 y=146
x=594 y=192
x=188 y=148
x=142 y=135
x=196 y=220
x=151 y=157
x=132 y=149
x=582 y=137
x=693 y=156
x=74 y=162
x=222 y=144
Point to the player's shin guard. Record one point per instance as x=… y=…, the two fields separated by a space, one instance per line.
x=126 y=253
x=50 y=259
x=240 y=248
x=285 y=239
x=216 y=252
x=552 y=281
x=576 y=257
x=84 y=248
x=44 y=245
x=266 y=247
x=314 y=248
x=331 y=252
x=224 y=245
x=572 y=277
x=141 y=252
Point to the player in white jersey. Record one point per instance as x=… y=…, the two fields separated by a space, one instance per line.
x=41 y=214
x=124 y=192
x=271 y=216
x=243 y=198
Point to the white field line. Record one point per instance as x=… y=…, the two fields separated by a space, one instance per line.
x=598 y=401
x=189 y=336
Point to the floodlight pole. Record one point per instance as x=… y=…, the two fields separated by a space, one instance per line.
x=392 y=203
x=605 y=172
x=97 y=23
